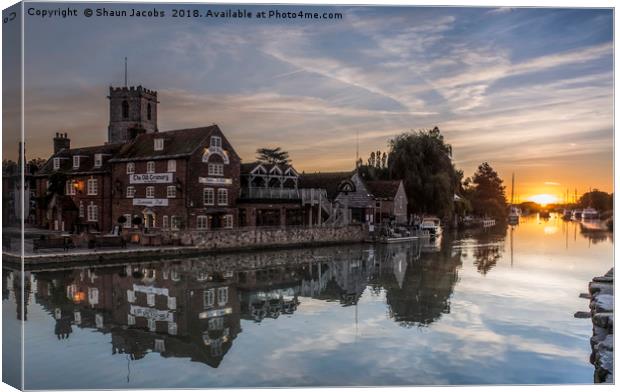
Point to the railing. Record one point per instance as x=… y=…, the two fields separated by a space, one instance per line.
x=270 y=193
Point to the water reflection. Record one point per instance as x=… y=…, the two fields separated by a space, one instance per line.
x=197 y=308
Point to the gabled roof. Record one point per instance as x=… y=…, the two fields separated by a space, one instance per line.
x=87 y=160
x=177 y=143
x=383 y=189
x=328 y=181
x=247 y=168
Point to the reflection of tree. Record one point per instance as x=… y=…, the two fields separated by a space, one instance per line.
x=424 y=291
x=489 y=247
x=595 y=236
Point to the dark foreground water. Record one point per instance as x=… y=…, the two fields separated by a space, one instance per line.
x=491 y=307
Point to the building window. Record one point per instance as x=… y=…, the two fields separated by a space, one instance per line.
x=208 y=196
x=98 y=160
x=150 y=167
x=209 y=298
x=148 y=111
x=222 y=197
x=150 y=192
x=150 y=299
x=127 y=223
x=131 y=168
x=222 y=296
x=164 y=222
x=175 y=222
x=216 y=323
x=202 y=222
x=171 y=192
x=159 y=144
x=93 y=213
x=125 y=107
x=56 y=163
x=216 y=142
x=131 y=191
x=172 y=166
x=76 y=162
x=91 y=187
x=228 y=221
x=81 y=209
x=70 y=189
x=216 y=169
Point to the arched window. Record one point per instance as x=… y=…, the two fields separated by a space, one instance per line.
x=125 y=106
x=148 y=112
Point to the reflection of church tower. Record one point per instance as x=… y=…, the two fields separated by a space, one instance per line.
x=133 y=110
x=21 y=297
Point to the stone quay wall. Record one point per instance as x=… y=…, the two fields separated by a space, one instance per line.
x=601 y=290
x=271 y=237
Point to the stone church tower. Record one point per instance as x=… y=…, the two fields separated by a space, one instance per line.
x=133 y=110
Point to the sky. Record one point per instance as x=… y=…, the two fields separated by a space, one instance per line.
x=528 y=90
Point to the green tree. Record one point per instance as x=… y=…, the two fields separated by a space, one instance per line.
x=273 y=156
x=423 y=161
x=601 y=201
x=487 y=193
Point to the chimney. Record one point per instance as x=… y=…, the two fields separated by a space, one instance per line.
x=61 y=141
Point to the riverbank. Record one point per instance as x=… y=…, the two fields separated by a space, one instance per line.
x=601 y=290
x=196 y=243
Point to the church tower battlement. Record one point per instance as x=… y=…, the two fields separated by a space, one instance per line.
x=133 y=110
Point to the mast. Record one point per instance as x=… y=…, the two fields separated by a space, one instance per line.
x=125 y=71
x=512 y=190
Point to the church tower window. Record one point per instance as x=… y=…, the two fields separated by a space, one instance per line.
x=125 y=106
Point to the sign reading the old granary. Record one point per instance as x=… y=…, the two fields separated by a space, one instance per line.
x=150 y=202
x=151 y=178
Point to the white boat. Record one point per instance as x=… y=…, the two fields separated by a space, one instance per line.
x=576 y=215
x=432 y=225
x=589 y=214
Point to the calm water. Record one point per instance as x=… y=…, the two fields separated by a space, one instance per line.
x=477 y=308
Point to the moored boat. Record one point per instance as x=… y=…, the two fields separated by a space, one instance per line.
x=566 y=214
x=432 y=225
x=589 y=214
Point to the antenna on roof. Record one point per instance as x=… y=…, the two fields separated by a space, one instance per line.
x=125 y=71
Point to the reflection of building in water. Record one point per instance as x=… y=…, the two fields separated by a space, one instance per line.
x=174 y=311
x=192 y=309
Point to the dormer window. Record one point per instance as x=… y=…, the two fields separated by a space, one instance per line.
x=76 y=162
x=159 y=144
x=98 y=160
x=56 y=163
x=216 y=142
x=150 y=167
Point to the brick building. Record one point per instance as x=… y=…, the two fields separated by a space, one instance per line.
x=177 y=179
x=170 y=180
x=84 y=201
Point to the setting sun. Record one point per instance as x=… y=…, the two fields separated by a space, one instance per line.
x=544 y=199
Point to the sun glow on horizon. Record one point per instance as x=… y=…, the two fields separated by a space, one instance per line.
x=543 y=199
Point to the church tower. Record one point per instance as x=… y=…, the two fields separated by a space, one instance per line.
x=133 y=110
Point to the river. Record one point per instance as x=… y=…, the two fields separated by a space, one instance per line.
x=479 y=307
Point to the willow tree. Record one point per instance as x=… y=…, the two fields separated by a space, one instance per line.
x=423 y=161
